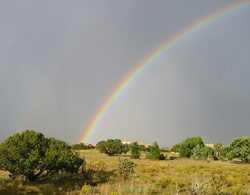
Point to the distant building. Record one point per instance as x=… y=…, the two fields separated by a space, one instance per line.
x=146 y=145
x=92 y=145
x=210 y=145
x=126 y=142
x=175 y=153
x=139 y=143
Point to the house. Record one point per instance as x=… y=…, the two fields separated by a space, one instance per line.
x=126 y=142
x=210 y=145
x=93 y=146
x=139 y=143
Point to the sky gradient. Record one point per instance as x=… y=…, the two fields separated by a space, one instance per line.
x=60 y=60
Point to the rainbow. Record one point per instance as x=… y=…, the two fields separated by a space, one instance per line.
x=151 y=58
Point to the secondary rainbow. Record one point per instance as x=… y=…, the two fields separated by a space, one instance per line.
x=151 y=58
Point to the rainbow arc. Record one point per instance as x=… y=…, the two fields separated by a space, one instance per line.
x=150 y=59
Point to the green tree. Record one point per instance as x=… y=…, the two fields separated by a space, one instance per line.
x=197 y=153
x=125 y=148
x=60 y=158
x=207 y=152
x=165 y=149
x=239 y=148
x=218 y=149
x=176 y=148
x=142 y=148
x=155 y=152
x=33 y=156
x=112 y=147
x=135 y=150
x=101 y=146
x=80 y=146
x=187 y=146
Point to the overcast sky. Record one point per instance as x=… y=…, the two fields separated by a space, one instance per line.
x=60 y=60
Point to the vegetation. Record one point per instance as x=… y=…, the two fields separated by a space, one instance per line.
x=125 y=168
x=202 y=153
x=240 y=148
x=93 y=172
x=112 y=147
x=135 y=150
x=218 y=151
x=143 y=148
x=187 y=146
x=80 y=146
x=155 y=152
x=33 y=156
x=176 y=148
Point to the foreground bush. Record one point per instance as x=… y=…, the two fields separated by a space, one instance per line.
x=86 y=189
x=10 y=188
x=91 y=172
x=33 y=156
x=126 y=168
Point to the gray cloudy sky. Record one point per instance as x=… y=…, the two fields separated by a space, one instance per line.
x=60 y=60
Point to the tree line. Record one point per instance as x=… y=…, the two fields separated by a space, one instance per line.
x=193 y=147
x=33 y=156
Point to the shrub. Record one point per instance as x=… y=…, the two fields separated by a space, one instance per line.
x=187 y=146
x=176 y=148
x=202 y=153
x=207 y=152
x=49 y=189
x=135 y=150
x=239 y=148
x=216 y=185
x=237 y=190
x=165 y=149
x=173 y=157
x=215 y=158
x=80 y=146
x=30 y=190
x=197 y=153
x=112 y=147
x=33 y=156
x=146 y=178
x=114 y=193
x=125 y=168
x=10 y=188
x=229 y=156
x=142 y=148
x=155 y=152
x=163 y=182
x=91 y=171
x=182 y=183
x=86 y=189
x=218 y=149
x=162 y=157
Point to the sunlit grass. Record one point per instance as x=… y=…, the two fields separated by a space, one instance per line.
x=180 y=176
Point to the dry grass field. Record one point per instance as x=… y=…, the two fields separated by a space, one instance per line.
x=179 y=176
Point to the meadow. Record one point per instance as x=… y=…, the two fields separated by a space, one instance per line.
x=178 y=176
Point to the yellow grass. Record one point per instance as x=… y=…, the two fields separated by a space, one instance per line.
x=4 y=175
x=160 y=177
x=184 y=172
